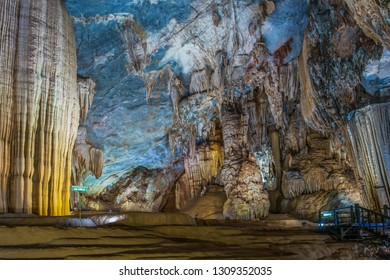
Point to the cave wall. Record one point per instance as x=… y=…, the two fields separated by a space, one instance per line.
x=39 y=106
x=254 y=96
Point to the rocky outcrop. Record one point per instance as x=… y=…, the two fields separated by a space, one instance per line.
x=246 y=199
x=39 y=108
x=139 y=190
x=208 y=205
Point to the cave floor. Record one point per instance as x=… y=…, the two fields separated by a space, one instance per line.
x=274 y=239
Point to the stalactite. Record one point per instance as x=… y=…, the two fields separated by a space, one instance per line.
x=176 y=91
x=309 y=106
x=369 y=131
x=39 y=108
x=257 y=111
x=9 y=26
x=275 y=146
x=320 y=166
x=85 y=156
x=86 y=92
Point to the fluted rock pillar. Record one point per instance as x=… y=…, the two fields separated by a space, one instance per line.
x=39 y=110
x=369 y=131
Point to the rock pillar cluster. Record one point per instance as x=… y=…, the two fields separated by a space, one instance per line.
x=39 y=107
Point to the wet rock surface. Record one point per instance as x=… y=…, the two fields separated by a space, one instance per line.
x=279 y=237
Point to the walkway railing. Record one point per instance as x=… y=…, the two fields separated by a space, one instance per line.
x=355 y=219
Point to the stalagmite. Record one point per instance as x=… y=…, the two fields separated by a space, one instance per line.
x=39 y=106
x=246 y=198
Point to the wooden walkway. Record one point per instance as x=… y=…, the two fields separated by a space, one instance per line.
x=356 y=223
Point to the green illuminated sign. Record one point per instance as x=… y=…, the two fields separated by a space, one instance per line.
x=79 y=189
x=327 y=214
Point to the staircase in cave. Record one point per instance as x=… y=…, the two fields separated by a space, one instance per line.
x=356 y=223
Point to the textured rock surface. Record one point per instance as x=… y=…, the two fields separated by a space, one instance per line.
x=209 y=205
x=375 y=78
x=86 y=158
x=270 y=100
x=254 y=96
x=369 y=129
x=279 y=237
x=39 y=109
x=200 y=170
x=140 y=189
x=373 y=18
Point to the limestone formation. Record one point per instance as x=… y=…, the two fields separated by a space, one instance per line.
x=39 y=106
x=139 y=190
x=200 y=170
x=86 y=92
x=369 y=129
x=246 y=199
x=85 y=156
x=241 y=176
x=373 y=18
x=209 y=205
x=282 y=104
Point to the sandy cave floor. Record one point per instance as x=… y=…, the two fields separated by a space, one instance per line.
x=281 y=237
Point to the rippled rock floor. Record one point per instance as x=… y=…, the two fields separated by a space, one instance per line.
x=279 y=238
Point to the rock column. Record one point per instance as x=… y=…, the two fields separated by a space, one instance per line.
x=369 y=131
x=241 y=175
x=39 y=106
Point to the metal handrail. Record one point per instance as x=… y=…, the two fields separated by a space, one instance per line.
x=357 y=215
